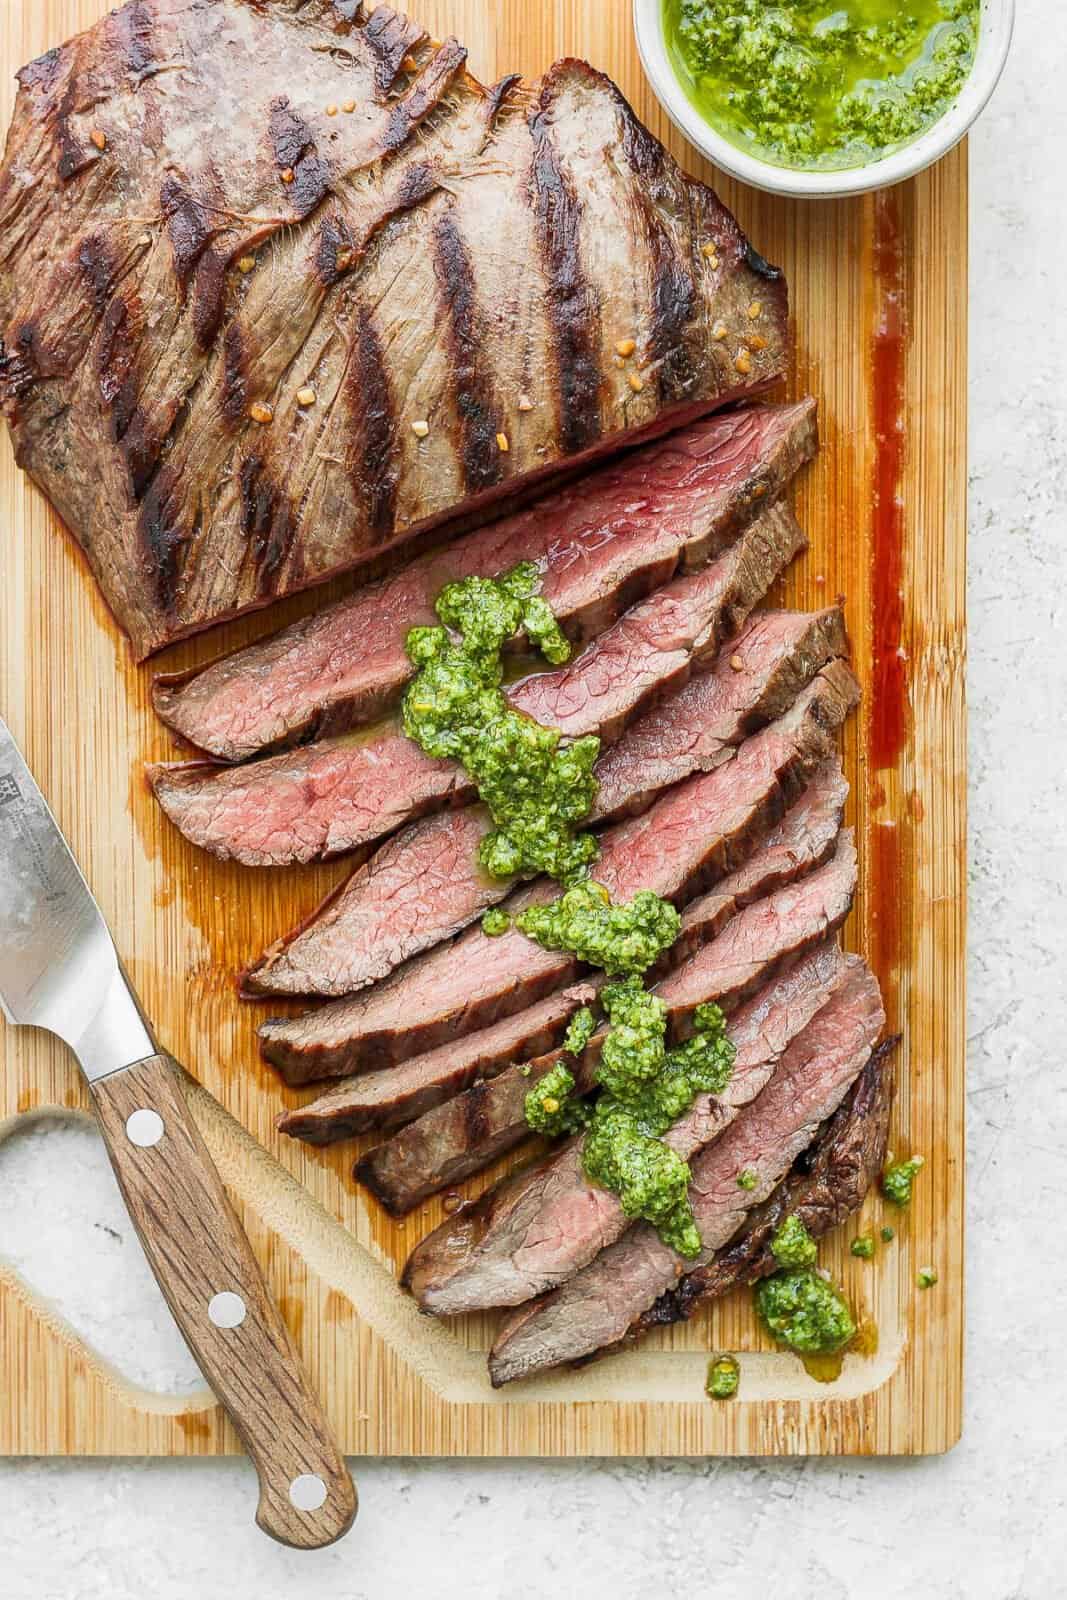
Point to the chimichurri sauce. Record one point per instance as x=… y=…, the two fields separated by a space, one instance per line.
x=536 y=788
x=539 y=790
x=799 y=1306
x=817 y=86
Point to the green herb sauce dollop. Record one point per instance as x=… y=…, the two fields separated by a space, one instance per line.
x=792 y=1245
x=538 y=791
x=801 y=1308
x=804 y=1311
x=815 y=85
x=536 y=788
x=724 y=1375
x=898 y=1180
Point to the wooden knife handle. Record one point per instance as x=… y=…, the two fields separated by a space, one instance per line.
x=213 y=1285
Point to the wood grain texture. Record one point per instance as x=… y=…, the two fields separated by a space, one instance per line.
x=395 y=1382
x=197 y=1251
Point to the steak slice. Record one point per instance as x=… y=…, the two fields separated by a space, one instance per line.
x=397 y=1094
x=597 y=1307
x=600 y=544
x=425 y=884
x=691 y=836
x=827 y=1183
x=466 y=1134
x=537 y=1228
x=451 y=254
x=338 y=795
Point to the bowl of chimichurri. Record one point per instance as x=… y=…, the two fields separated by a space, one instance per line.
x=823 y=97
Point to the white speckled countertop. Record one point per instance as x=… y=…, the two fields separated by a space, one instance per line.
x=986 y=1522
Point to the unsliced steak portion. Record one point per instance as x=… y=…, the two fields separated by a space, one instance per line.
x=600 y=544
x=466 y=1134
x=396 y=1095
x=462 y=256
x=538 y=1228
x=693 y=835
x=334 y=796
x=597 y=1307
x=828 y=1182
x=425 y=885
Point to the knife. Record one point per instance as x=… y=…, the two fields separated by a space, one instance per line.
x=59 y=970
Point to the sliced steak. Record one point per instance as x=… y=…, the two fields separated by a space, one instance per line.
x=536 y=1229
x=397 y=1094
x=695 y=730
x=691 y=836
x=598 y=1306
x=424 y=885
x=339 y=795
x=600 y=544
x=466 y=1134
x=827 y=1183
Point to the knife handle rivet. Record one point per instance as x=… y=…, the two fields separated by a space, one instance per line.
x=308 y=1492
x=227 y=1310
x=144 y=1128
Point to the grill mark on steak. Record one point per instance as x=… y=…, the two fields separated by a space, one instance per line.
x=476 y=407
x=694 y=834
x=190 y=226
x=536 y=1229
x=597 y=1307
x=97 y=261
x=573 y=311
x=673 y=286
x=234 y=403
x=439 y=1148
x=74 y=157
x=596 y=553
x=425 y=95
x=391 y=36
x=372 y=468
x=267 y=518
x=295 y=151
x=424 y=884
x=136 y=40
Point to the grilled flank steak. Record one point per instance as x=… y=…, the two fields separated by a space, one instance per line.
x=247 y=344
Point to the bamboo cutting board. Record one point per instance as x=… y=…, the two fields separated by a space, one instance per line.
x=878 y=297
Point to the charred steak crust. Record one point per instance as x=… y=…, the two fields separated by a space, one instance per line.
x=126 y=202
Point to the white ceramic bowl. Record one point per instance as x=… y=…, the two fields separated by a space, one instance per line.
x=994 y=38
